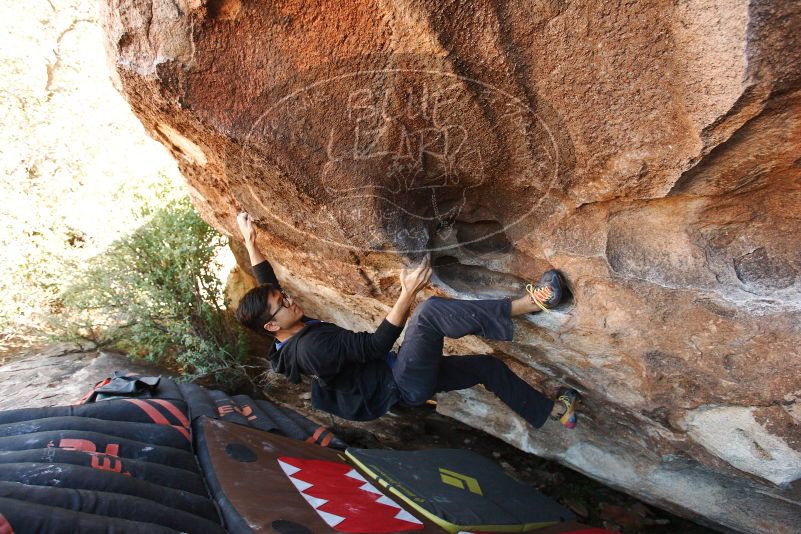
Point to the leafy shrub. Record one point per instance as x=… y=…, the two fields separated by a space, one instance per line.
x=155 y=293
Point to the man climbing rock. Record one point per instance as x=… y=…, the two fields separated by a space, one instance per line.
x=356 y=376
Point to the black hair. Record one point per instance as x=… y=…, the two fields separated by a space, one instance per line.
x=253 y=309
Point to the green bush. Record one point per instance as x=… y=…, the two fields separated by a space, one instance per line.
x=155 y=293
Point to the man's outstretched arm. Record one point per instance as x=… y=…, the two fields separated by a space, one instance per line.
x=377 y=344
x=262 y=269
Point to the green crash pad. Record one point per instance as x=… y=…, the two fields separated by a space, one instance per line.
x=460 y=490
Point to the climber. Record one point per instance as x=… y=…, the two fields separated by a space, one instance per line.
x=356 y=376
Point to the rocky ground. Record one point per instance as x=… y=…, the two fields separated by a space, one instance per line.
x=59 y=374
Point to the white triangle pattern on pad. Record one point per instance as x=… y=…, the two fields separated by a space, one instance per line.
x=332 y=519
x=369 y=487
x=300 y=484
x=355 y=474
x=403 y=515
x=387 y=501
x=288 y=469
x=314 y=501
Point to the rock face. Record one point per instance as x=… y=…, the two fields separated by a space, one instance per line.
x=650 y=151
x=61 y=374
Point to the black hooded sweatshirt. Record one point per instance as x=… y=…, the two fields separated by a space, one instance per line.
x=351 y=378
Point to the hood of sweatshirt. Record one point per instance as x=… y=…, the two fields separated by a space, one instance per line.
x=284 y=360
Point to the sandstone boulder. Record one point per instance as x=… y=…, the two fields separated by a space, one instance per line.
x=649 y=151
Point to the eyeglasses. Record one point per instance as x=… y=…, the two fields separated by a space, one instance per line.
x=286 y=302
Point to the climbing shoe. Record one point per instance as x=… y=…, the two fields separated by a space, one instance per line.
x=569 y=398
x=548 y=291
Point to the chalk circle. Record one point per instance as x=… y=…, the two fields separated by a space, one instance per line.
x=298 y=105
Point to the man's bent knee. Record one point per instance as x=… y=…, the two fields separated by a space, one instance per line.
x=428 y=306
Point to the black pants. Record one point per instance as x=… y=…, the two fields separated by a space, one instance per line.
x=420 y=370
